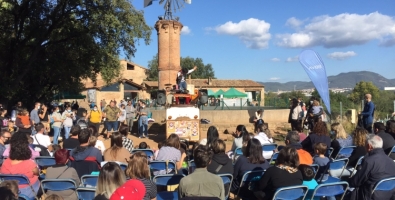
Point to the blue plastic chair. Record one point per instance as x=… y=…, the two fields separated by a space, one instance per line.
x=329 y=152
x=150 y=154
x=86 y=193
x=89 y=180
x=336 y=165
x=23 y=197
x=316 y=168
x=274 y=158
x=44 y=162
x=392 y=151
x=387 y=184
x=359 y=162
x=191 y=166
x=238 y=152
x=330 y=189
x=345 y=152
x=249 y=177
x=58 y=185
x=227 y=179
x=269 y=147
x=165 y=180
x=162 y=165
x=22 y=179
x=291 y=192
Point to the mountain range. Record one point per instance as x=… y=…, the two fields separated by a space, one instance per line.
x=342 y=80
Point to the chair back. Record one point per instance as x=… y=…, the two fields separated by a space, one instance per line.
x=329 y=152
x=392 y=151
x=23 y=197
x=191 y=166
x=22 y=179
x=316 y=168
x=161 y=165
x=167 y=179
x=227 y=179
x=345 y=152
x=269 y=147
x=89 y=180
x=250 y=177
x=148 y=152
x=45 y=161
x=238 y=152
x=291 y=192
x=58 y=185
x=330 y=189
x=387 y=184
x=86 y=193
x=274 y=158
x=338 y=164
x=84 y=167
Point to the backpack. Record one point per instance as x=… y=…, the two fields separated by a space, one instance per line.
x=82 y=123
x=44 y=151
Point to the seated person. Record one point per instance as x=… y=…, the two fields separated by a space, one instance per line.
x=143 y=145
x=116 y=153
x=72 y=142
x=42 y=139
x=62 y=171
x=308 y=178
x=201 y=183
x=12 y=187
x=292 y=140
x=321 y=160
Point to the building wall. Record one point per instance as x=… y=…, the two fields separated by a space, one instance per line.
x=138 y=74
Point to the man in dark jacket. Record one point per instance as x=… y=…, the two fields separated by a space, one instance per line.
x=376 y=166
x=368 y=113
x=388 y=140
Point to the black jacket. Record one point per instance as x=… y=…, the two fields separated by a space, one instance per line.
x=312 y=139
x=358 y=152
x=220 y=159
x=388 y=142
x=375 y=167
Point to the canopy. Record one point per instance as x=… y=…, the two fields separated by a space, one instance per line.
x=218 y=93
x=233 y=93
x=210 y=92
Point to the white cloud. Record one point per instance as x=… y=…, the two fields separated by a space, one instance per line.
x=341 y=31
x=274 y=79
x=292 y=59
x=341 y=55
x=254 y=33
x=293 y=22
x=275 y=59
x=185 y=30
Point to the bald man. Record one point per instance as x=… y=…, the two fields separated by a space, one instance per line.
x=368 y=113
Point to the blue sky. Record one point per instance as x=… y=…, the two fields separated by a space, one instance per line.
x=261 y=40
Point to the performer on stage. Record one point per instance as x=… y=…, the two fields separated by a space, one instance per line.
x=181 y=76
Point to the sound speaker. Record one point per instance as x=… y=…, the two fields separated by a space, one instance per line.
x=203 y=96
x=161 y=97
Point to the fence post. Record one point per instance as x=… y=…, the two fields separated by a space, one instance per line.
x=241 y=106
x=341 y=112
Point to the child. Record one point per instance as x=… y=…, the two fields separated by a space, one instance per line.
x=321 y=160
x=12 y=186
x=308 y=178
x=160 y=144
x=143 y=145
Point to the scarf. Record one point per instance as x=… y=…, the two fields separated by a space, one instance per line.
x=25 y=120
x=287 y=168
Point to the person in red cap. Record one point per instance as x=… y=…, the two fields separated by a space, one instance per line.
x=132 y=189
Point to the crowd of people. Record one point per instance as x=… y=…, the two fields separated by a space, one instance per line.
x=81 y=153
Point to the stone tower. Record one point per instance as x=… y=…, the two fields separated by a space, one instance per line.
x=168 y=51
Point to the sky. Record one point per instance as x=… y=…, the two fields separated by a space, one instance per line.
x=261 y=40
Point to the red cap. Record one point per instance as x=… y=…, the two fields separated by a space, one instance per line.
x=132 y=189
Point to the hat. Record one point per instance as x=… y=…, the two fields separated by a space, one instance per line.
x=132 y=189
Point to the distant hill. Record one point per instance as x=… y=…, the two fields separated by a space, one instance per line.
x=342 y=80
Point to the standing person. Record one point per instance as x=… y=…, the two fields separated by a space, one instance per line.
x=34 y=116
x=104 y=104
x=68 y=118
x=94 y=117
x=201 y=183
x=143 y=120
x=181 y=76
x=44 y=117
x=23 y=122
x=3 y=119
x=368 y=113
x=258 y=119
x=111 y=113
x=130 y=111
x=57 y=124
x=122 y=115
x=295 y=115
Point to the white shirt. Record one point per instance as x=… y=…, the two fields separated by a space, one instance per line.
x=122 y=117
x=42 y=139
x=263 y=139
x=100 y=145
x=182 y=76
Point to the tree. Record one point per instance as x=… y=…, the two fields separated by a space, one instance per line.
x=363 y=88
x=48 y=46
x=202 y=71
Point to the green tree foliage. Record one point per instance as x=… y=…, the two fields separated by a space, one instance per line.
x=202 y=71
x=48 y=46
x=282 y=100
x=363 y=88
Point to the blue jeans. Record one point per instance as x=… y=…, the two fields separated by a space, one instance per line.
x=112 y=125
x=66 y=132
x=143 y=125
x=28 y=191
x=182 y=85
x=56 y=133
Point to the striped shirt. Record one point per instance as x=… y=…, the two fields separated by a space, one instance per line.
x=127 y=143
x=150 y=189
x=170 y=154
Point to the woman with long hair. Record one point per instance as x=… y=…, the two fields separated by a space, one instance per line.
x=342 y=139
x=295 y=114
x=116 y=152
x=110 y=178
x=212 y=134
x=319 y=134
x=172 y=151
x=138 y=169
x=284 y=173
x=264 y=137
x=251 y=159
x=241 y=136
x=19 y=162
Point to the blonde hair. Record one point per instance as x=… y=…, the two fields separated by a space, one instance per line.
x=316 y=103
x=138 y=166
x=340 y=132
x=110 y=178
x=360 y=137
x=92 y=141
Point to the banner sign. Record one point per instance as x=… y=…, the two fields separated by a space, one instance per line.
x=315 y=69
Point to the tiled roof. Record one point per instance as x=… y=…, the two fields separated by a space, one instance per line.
x=151 y=83
x=101 y=83
x=216 y=83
